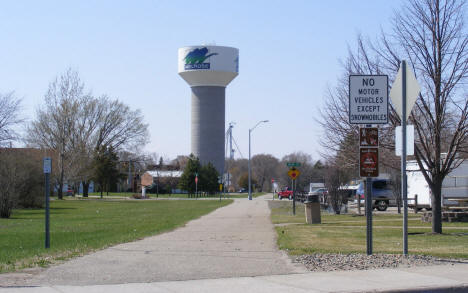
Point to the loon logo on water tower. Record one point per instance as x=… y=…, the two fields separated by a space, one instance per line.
x=195 y=59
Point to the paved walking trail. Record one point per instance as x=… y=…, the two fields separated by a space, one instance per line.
x=233 y=241
x=230 y=250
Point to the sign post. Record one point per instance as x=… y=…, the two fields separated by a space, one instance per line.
x=368 y=168
x=196 y=185
x=273 y=188
x=220 y=182
x=293 y=173
x=47 y=170
x=403 y=161
x=368 y=104
x=404 y=92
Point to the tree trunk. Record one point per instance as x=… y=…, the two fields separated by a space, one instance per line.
x=62 y=176
x=60 y=189
x=399 y=204
x=85 y=188
x=437 y=208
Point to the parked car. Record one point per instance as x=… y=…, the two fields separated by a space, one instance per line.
x=350 y=190
x=322 y=193
x=242 y=190
x=286 y=192
x=315 y=185
x=382 y=194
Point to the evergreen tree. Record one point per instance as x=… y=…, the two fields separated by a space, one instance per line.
x=209 y=179
x=187 y=180
x=161 y=163
x=106 y=171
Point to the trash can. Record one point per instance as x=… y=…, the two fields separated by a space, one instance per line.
x=312 y=209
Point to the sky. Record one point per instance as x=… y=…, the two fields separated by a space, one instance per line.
x=289 y=54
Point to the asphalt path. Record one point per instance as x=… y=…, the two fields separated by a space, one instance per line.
x=237 y=240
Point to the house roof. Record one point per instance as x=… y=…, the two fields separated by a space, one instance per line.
x=159 y=173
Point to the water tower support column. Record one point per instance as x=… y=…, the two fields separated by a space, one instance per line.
x=208 y=116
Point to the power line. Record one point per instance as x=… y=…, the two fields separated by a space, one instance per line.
x=237 y=147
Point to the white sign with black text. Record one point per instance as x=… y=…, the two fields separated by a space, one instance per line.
x=368 y=99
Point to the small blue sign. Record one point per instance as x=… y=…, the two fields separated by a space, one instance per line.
x=47 y=165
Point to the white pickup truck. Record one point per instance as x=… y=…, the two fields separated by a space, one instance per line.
x=455 y=186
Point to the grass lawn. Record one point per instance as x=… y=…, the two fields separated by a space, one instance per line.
x=244 y=195
x=153 y=195
x=347 y=234
x=130 y=194
x=81 y=226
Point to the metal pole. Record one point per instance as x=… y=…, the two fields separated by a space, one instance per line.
x=231 y=157
x=294 y=196
x=403 y=162
x=47 y=210
x=129 y=179
x=118 y=180
x=250 y=171
x=273 y=189
x=359 y=203
x=369 y=214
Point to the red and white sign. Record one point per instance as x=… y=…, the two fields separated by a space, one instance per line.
x=368 y=137
x=369 y=162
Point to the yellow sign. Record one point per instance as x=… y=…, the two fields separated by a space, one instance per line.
x=220 y=187
x=293 y=173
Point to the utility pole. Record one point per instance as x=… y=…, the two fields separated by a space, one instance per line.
x=250 y=168
x=47 y=162
x=231 y=154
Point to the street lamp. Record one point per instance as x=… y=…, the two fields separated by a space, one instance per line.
x=250 y=171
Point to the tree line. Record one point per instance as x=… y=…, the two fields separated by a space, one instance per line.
x=266 y=167
x=84 y=134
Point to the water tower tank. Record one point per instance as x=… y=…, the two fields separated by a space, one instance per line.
x=208 y=70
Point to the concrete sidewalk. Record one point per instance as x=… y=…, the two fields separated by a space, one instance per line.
x=442 y=278
x=233 y=241
x=232 y=249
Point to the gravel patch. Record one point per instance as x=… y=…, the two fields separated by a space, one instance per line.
x=343 y=262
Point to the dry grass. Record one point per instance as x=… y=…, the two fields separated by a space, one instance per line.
x=347 y=234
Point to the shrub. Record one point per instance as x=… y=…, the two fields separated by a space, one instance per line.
x=20 y=180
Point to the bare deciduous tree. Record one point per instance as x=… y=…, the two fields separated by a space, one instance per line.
x=9 y=117
x=106 y=123
x=308 y=172
x=434 y=39
x=336 y=177
x=263 y=170
x=75 y=125
x=55 y=122
x=432 y=36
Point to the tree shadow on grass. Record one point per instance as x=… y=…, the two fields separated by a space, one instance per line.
x=26 y=214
